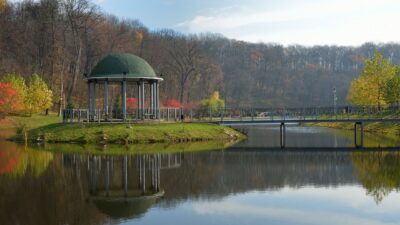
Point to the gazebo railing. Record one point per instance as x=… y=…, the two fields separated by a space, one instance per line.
x=116 y=115
x=75 y=115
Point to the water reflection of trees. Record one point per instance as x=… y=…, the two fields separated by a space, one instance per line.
x=57 y=196
x=88 y=189
x=379 y=172
x=218 y=174
x=16 y=160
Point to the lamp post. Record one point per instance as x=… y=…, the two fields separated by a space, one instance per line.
x=335 y=101
x=123 y=95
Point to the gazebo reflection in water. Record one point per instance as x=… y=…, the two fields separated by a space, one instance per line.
x=127 y=186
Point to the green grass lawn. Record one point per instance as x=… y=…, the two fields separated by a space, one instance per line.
x=13 y=122
x=133 y=133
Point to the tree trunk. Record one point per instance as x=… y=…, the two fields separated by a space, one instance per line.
x=61 y=90
x=76 y=71
x=182 y=86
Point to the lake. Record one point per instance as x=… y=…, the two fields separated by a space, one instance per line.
x=318 y=179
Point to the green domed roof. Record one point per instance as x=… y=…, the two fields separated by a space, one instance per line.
x=118 y=64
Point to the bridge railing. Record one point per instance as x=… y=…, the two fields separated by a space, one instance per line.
x=236 y=114
x=305 y=113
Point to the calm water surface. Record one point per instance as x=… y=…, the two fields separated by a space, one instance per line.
x=254 y=182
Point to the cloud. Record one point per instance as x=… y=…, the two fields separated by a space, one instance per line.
x=312 y=22
x=99 y=1
x=294 y=216
x=343 y=205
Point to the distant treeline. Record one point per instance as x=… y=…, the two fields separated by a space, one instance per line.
x=64 y=39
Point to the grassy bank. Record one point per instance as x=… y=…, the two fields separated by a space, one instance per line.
x=34 y=121
x=11 y=125
x=390 y=130
x=49 y=129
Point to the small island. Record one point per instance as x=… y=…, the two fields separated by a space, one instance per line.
x=130 y=133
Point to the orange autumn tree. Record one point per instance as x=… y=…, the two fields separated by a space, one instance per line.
x=10 y=100
x=17 y=84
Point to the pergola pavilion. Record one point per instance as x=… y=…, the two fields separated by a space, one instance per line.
x=122 y=69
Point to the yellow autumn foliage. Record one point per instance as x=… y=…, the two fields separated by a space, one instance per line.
x=215 y=104
x=39 y=96
x=369 y=87
x=138 y=37
x=2 y=5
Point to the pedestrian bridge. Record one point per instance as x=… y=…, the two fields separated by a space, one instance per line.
x=247 y=116
x=303 y=115
x=283 y=116
x=345 y=114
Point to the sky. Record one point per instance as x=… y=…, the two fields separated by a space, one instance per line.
x=305 y=22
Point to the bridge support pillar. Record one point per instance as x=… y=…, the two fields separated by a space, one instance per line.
x=361 y=144
x=282 y=135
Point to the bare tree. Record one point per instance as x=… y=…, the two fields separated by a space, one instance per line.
x=79 y=14
x=184 y=56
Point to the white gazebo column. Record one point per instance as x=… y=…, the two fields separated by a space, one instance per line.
x=106 y=99
x=89 y=98
x=92 y=100
x=141 y=99
x=138 y=101
x=157 y=99
x=152 y=100
x=123 y=104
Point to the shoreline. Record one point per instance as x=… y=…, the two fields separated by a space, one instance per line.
x=389 y=130
x=117 y=149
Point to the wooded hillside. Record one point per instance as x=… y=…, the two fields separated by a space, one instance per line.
x=63 y=39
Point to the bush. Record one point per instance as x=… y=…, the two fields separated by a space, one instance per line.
x=39 y=96
x=215 y=104
x=172 y=103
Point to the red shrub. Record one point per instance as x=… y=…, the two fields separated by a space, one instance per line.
x=131 y=103
x=173 y=104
